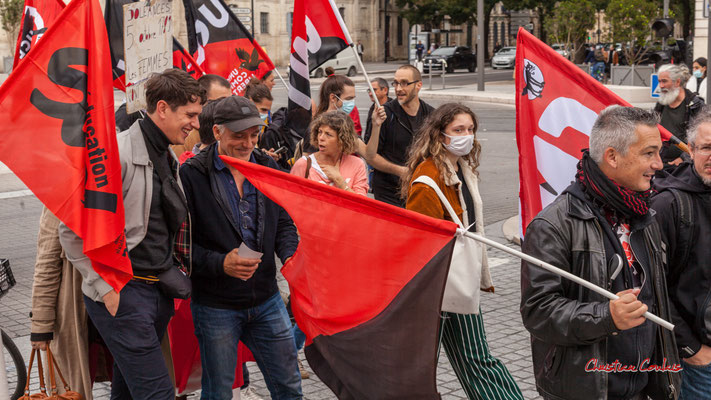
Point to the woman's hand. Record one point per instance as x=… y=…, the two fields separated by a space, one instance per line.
x=333 y=174
x=40 y=345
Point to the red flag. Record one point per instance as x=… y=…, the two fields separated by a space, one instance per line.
x=366 y=286
x=59 y=135
x=183 y=60
x=556 y=106
x=38 y=16
x=222 y=46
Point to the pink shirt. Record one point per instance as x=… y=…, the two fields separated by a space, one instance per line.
x=352 y=170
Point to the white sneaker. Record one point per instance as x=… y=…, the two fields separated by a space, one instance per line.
x=249 y=393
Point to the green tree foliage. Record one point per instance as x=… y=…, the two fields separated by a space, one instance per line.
x=570 y=22
x=630 y=24
x=11 y=12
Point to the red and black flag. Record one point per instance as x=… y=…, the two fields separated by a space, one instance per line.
x=59 y=138
x=366 y=285
x=221 y=45
x=114 y=26
x=317 y=34
x=38 y=15
x=183 y=60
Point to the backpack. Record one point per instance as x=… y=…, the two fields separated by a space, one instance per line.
x=598 y=55
x=686 y=219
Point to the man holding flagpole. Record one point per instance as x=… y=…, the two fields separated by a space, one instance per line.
x=583 y=345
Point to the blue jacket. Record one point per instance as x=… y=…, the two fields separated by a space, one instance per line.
x=215 y=234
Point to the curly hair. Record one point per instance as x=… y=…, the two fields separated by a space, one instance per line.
x=333 y=84
x=428 y=143
x=342 y=124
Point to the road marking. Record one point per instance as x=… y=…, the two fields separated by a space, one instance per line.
x=496 y=261
x=17 y=193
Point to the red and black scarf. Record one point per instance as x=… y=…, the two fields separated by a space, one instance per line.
x=622 y=202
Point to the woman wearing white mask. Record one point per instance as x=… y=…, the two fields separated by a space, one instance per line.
x=698 y=83
x=446 y=150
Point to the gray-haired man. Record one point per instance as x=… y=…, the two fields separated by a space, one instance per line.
x=683 y=213
x=599 y=228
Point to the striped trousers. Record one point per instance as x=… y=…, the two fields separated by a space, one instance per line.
x=482 y=376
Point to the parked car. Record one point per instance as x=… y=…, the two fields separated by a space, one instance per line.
x=504 y=58
x=560 y=49
x=456 y=57
x=344 y=63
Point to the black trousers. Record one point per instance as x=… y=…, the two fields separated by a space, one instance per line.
x=134 y=336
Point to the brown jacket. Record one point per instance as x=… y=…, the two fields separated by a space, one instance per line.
x=422 y=199
x=58 y=307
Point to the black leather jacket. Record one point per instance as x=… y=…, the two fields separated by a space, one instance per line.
x=569 y=324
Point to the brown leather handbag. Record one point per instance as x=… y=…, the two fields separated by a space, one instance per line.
x=43 y=391
x=68 y=393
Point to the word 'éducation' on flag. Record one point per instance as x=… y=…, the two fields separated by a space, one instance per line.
x=368 y=300
x=57 y=107
x=113 y=17
x=221 y=45
x=557 y=104
x=38 y=15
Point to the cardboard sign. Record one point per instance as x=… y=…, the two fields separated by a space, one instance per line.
x=148 y=46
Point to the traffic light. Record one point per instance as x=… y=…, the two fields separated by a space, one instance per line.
x=663 y=27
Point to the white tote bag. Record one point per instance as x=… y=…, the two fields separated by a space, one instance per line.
x=461 y=294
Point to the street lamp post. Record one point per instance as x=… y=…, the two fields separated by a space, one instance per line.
x=480 y=45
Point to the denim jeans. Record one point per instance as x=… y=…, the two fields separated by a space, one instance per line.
x=265 y=330
x=695 y=382
x=299 y=337
x=134 y=336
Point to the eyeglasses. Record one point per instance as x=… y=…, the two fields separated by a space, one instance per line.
x=703 y=151
x=403 y=83
x=245 y=220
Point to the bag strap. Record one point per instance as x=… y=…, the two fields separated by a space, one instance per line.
x=41 y=373
x=29 y=373
x=308 y=167
x=431 y=183
x=59 y=372
x=52 y=379
x=683 y=200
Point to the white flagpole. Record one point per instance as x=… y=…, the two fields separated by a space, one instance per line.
x=286 y=85
x=350 y=43
x=565 y=274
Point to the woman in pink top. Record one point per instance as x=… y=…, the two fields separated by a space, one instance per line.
x=334 y=135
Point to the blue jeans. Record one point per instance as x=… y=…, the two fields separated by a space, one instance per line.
x=299 y=337
x=696 y=382
x=134 y=337
x=265 y=330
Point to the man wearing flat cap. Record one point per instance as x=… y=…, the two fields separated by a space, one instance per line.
x=235 y=296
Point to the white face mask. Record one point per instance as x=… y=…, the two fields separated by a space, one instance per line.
x=459 y=145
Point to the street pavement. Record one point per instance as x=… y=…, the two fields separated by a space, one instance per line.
x=19 y=215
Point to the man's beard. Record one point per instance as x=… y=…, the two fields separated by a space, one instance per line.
x=668 y=97
x=410 y=97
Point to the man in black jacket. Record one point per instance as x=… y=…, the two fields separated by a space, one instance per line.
x=683 y=213
x=676 y=107
x=600 y=230
x=404 y=116
x=235 y=296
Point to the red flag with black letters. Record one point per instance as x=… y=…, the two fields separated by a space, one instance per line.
x=38 y=15
x=221 y=45
x=58 y=134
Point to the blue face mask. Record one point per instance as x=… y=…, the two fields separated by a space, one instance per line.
x=698 y=73
x=348 y=105
x=263 y=117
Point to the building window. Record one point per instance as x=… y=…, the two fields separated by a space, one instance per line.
x=504 y=39
x=496 y=33
x=342 y=11
x=264 y=22
x=399 y=31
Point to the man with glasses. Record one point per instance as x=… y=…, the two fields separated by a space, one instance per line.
x=235 y=296
x=683 y=214
x=393 y=139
